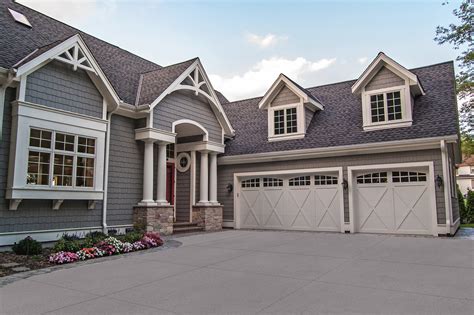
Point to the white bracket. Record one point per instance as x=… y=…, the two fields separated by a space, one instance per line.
x=14 y=203
x=57 y=204
x=91 y=205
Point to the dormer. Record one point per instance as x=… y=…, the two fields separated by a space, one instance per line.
x=290 y=109
x=387 y=92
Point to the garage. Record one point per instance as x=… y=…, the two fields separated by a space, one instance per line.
x=398 y=201
x=311 y=201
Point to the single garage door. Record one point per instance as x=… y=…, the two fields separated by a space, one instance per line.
x=291 y=202
x=395 y=201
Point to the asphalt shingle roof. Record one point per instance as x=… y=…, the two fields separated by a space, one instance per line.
x=340 y=123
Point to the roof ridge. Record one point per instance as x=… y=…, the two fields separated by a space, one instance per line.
x=79 y=32
x=174 y=64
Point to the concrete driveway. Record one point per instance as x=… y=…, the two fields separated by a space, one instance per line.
x=249 y=272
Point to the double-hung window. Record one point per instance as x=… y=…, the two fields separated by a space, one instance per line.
x=285 y=121
x=58 y=159
x=386 y=107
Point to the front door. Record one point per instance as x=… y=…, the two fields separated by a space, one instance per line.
x=170 y=183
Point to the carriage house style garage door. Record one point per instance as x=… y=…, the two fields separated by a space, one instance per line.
x=290 y=201
x=398 y=201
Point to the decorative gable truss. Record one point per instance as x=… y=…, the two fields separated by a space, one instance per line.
x=387 y=92
x=290 y=109
x=195 y=79
x=72 y=51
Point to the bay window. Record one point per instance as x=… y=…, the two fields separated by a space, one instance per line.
x=67 y=163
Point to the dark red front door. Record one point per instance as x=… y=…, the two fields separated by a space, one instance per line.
x=170 y=183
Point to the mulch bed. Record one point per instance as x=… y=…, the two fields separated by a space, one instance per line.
x=31 y=262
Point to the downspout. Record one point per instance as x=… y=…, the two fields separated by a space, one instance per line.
x=3 y=89
x=106 y=170
x=447 y=181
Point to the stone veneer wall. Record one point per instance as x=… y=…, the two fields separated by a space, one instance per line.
x=154 y=218
x=209 y=217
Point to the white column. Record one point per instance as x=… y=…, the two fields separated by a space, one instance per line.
x=148 y=175
x=213 y=178
x=161 y=180
x=204 y=178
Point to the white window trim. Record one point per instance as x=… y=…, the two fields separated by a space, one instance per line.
x=27 y=116
x=405 y=99
x=300 y=122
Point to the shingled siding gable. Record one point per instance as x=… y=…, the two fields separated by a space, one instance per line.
x=284 y=97
x=384 y=79
x=178 y=106
x=226 y=174
x=38 y=214
x=125 y=171
x=58 y=86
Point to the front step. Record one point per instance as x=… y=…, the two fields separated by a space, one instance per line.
x=186 y=227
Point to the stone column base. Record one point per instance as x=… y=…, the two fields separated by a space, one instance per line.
x=208 y=216
x=154 y=218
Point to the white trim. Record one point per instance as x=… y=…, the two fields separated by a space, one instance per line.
x=300 y=122
x=47 y=56
x=177 y=162
x=228 y=224
x=147 y=133
x=355 y=149
x=447 y=182
x=238 y=177
x=275 y=88
x=213 y=99
x=190 y=122
x=192 y=192
x=430 y=182
x=200 y=146
x=380 y=61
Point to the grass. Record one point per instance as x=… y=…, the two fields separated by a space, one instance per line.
x=467 y=225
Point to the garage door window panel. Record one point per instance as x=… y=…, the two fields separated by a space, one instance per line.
x=372 y=178
x=300 y=181
x=324 y=180
x=408 y=177
x=251 y=183
x=272 y=182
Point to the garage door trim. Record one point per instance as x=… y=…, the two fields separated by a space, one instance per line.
x=238 y=177
x=431 y=187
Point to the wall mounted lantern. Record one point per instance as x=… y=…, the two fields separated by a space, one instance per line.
x=229 y=188
x=439 y=181
x=345 y=184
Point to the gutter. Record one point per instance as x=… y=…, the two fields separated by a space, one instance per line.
x=106 y=170
x=357 y=149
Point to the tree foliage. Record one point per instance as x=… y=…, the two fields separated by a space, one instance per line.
x=460 y=36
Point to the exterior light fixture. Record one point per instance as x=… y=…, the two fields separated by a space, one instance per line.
x=229 y=188
x=439 y=181
x=345 y=184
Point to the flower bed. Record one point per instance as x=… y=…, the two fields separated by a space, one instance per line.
x=107 y=247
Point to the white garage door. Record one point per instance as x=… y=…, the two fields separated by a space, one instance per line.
x=393 y=201
x=301 y=202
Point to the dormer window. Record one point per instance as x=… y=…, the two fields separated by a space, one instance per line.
x=386 y=107
x=285 y=121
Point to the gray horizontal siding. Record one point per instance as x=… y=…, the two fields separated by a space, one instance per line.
x=178 y=106
x=454 y=200
x=56 y=85
x=125 y=171
x=226 y=173
x=183 y=197
x=284 y=97
x=308 y=115
x=384 y=79
x=38 y=214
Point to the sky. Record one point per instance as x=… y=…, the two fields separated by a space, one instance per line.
x=244 y=45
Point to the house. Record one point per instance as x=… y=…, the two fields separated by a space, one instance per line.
x=465 y=175
x=94 y=137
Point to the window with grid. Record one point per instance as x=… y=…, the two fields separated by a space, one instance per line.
x=60 y=159
x=394 y=106
x=285 y=121
x=272 y=182
x=377 y=108
x=320 y=180
x=300 y=181
x=170 y=151
x=373 y=178
x=408 y=177
x=386 y=107
x=251 y=183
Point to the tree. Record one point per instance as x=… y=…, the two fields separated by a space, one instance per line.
x=469 y=217
x=461 y=36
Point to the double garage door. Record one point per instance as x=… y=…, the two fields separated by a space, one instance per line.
x=291 y=202
x=398 y=201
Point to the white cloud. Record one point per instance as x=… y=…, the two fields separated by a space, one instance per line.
x=265 y=41
x=362 y=60
x=258 y=79
x=71 y=11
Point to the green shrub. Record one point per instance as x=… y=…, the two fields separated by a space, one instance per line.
x=131 y=237
x=93 y=238
x=469 y=217
x=68 y=244
x=27 y=246
x=462 y=205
